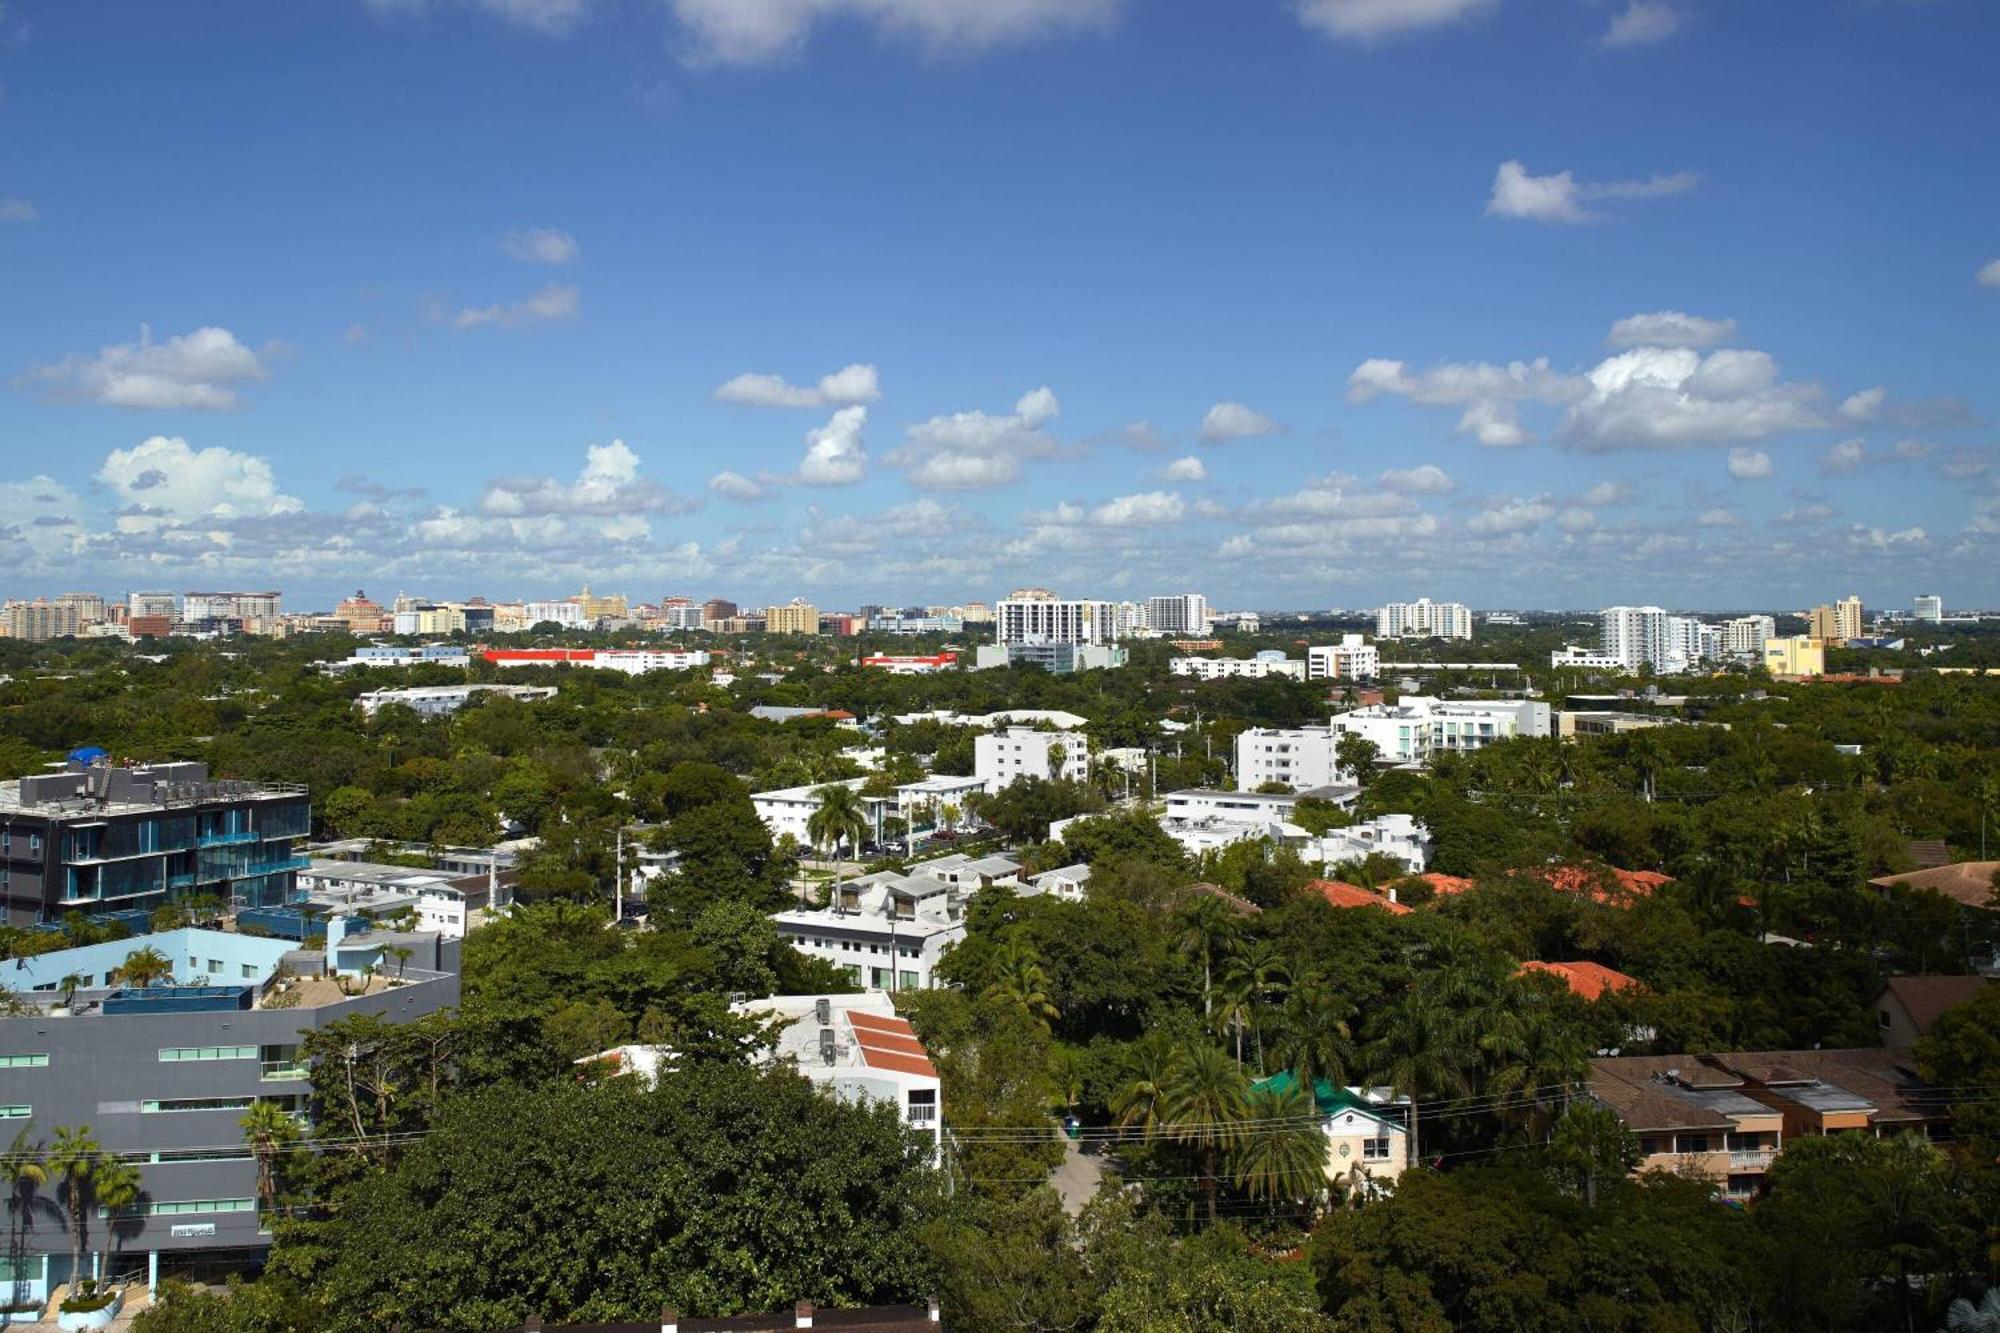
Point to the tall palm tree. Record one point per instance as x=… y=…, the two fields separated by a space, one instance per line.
x=1281 y=1154
x=25 y=1171
x=145 y=967
x=270 y=1132
x=1023 y=981
x=1140 y=1103
x=1545 y=1054
x=75 y=1159
x=1206 y=1100
x=1422 y=1051
x=837 y=817
x=1314 y=1040
x=115 y=1187
x=1207 y=926
x=1648 y=757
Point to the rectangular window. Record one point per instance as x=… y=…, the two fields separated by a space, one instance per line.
x=249 y=971
x=16 y=1112
x=196 y=1104
x=35 y=1061
x=170 y=1054
x=182 y=1207
x=907 y=980
x=1375 y=1150
x=170 y=1156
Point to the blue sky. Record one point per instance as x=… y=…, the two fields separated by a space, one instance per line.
x=1545 y=303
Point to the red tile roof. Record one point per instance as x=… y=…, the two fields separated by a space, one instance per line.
x=1631 y=883
x=1353 y=895
x=1447 y=885
x=889 y=1043
x=1586 y=980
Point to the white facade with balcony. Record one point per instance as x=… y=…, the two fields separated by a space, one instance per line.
x=1424 y=619
x=1411 y=730
x=1353 y=658
x=1299 y=757
x=1002 y=758
x=1270 y=662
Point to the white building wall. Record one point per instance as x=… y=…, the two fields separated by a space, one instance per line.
x=1353 y=658
x=1299 y=757
x=1000 y=759
x=1424 y=618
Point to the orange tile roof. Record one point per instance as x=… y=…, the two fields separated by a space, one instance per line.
x=1447 y=885
x=889 y=1043
x=1586 y=980
x=1353 y=895
x=1632 y=883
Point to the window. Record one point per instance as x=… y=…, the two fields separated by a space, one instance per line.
x=907 y=980
x=1375 y=1150
x=170 y=1156
x=16 y=1112
x=197 y=1104
x=249 y=971
x=180 y=1207
x=215 y=967
x=39 y=1061
x=170 y=1054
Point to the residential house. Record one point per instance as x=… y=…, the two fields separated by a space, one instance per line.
x=1367 y=1131
x=1906 y=1007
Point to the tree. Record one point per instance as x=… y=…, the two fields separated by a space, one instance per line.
x=75 y=1157
x=115 y=1187
x=1591 y=1144
x=1358 y=755
x=1281 y=1153
x=837 y=818
x=1314 y=1040
x=270 y=1131
x=1422 y=1051
x=25 y=1170
x=1023 y=982
x=1206 y=1100
x=145 y=967
x=1207 y=926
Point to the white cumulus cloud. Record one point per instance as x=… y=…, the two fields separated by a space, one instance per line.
x=555 y=301
x=1489 y=393
x=1644 y=22
x=1506 y=516
x=197 y=371
x=1373 y=20
x=1670 y=397
x=1671 y=328
x=1234 y=421
x=735 y=486
x=162 y=481
x=1749 y=464
x=834 y=452
x=542 y=245
x=1518 y=193
x=751 y=32
x=608 y=487
x=1189 y=469
x=973 y=450
x=1989 y=273
x=1846 y=456
x=1149 y=509
x=856 y=383
x=1423 y=479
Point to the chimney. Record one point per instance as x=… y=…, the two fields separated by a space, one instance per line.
x=670 y=1320
x=937 y=1314
x=802 y=1315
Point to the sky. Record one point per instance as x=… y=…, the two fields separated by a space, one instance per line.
x=1296 y=303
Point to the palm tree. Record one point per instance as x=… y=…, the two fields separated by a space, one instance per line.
x=1648 y=757
x=1141 y=1102
x=1281 y=1156
x=1965 y=1317
x=145 y=967
x=1422 y=1051
x=948 y=816
x=75 y=1159
x=115 y=1186
x=1207 y=926
x=1205 y=1103
x=1543 y=1054
x=1023 y=981
x=837 y=817
x=26 y=1171
x=71 y=984
x=1314 y=1040
x=270 y=1132
x=1259 y=974
x=402 y=954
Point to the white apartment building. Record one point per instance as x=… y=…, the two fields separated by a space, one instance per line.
x=568 y=614
x=1041 y=618
x=1424 y=619
x=1649 y=636
x=438 y=700
x=1928 y=608
x=680 y=617
x=1397 y=835
x=888 y=933
x=1270 y=662
x=787 y=809
x=1587 y=659
x=1408 y=732
x=1002 y=758
x=152 y=604
x=428 y=620
x=858 y=1049
x=1183 y=613
x=1744 y=637
x=1353 y=658
x=1300 y=757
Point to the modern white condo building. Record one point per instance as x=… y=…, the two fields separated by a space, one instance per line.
x=1037 y=617
x=1929 y=608
x=1353 y=658
x=1424 y=619
x=1649 y=636
x=1299 y=757
x=1182 y=613
x=1745 y=637
x=1002 y=758
x=1270 y=662
x=1410 y=731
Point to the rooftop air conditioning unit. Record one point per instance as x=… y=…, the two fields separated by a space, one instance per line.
x=823 y=1010
x=826 y=1046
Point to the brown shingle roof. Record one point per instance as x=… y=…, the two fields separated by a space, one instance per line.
x=1966 y=882
x=1925 y=999
x=1929 y=853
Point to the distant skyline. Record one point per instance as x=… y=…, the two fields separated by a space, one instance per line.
x=1297 y=303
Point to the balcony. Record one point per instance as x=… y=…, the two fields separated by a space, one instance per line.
x=226 y=839
x=925 y=1116
x=279 y=1071
x=1751 y=1159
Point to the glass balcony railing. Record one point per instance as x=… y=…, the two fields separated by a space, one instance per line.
x=275 y=1071
x=226 y=839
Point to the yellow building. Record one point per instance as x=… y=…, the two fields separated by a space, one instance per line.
x=596 y=608
x=1802 y=655
x=1839 y=622
x=796 y=617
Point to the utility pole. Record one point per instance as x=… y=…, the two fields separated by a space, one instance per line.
x=618 y=881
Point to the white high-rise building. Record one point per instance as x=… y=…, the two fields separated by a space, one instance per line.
x=1650 y=636
x=1353 y=658
x=153 y=604
x=1000 y=759
x=1929 y=608
x=1745 y=637
x=1182 y=613
x=1424 y=619
x=1302 y=758
x=1042 y=618
x=1412 y=729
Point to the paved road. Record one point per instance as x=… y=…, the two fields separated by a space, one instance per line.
x=1078 y=1178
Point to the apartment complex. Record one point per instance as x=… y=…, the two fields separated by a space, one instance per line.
x=1353 y=658
x=163 y=1073
x=887 y=931
x=444 y=700
x=1299 y=757
x=1035 y=616
x=1928 y=608
x=1424 y=619
x=1726 y=1117
x=859 y=1049
x=1002 y=758
x=797 y=616
x=1744 y=637
x=1409 y=731
x=39 y=621
x=632 y=661
x=98 y=838
x=1270 y=662
x=1839 y=622
x=1183 y=613
x=1799 y=655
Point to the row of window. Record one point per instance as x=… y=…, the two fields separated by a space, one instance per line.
x=849 y=946
x=16 y=1112
x=166 y=1105
x=29 y=1060
x=182 y=1207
